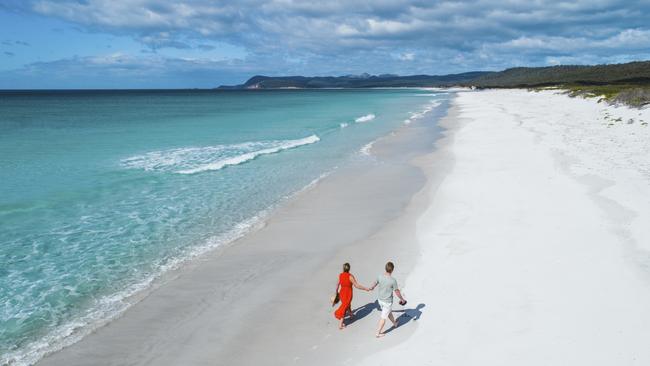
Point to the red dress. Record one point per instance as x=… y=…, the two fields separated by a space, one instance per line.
x=345 y=295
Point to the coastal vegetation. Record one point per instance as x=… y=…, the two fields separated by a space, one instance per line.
x=627 y=83
x=630 y=94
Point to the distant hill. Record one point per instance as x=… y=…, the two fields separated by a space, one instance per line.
x=627 y=83
x=637 y=73
x=632 y=73
x=357 y=81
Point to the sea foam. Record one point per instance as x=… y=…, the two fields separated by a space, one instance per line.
x=194 y=160
x=366 y=118
x=417 y=115
x=365 y=150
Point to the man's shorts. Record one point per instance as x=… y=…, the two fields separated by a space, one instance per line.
x=386 y=308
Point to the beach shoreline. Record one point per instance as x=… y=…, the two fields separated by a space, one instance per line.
x=183 y=317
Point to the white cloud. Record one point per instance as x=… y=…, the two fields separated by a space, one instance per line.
x=628 y=39
x=389 y=27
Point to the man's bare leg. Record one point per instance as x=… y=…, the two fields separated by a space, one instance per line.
x=392 y=319
x=380 y=334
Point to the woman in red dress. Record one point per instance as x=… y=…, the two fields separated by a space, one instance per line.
x=344 y=289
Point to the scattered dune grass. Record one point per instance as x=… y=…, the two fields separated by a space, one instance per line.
x=632 y=95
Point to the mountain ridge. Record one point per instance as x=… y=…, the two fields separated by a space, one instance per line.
x=636 y=73
x=627 y=83
x=355 y=81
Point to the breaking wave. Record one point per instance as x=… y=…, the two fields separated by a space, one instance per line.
x=365 y=150
x=194 y=160
x=417 y=115
x=366 y=118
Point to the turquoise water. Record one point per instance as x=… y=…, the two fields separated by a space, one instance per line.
x=100 y=192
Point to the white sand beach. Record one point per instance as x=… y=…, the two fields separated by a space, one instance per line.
x=535 y=247
x=527 y=244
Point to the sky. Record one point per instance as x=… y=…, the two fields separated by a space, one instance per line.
x=60 y=44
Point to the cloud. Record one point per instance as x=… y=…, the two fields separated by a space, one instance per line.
x=152 y=22
x=377 y=36
x=119 y=70
x=629 y=42
x=310 y=24
x=9 y=42
x=407 y=56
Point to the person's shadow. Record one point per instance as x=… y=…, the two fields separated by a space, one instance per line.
x=407 y=315
x=362 y=312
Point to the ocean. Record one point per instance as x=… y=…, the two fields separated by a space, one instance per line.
x=101 y=192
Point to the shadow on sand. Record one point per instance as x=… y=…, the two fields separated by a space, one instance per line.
x=406 y=316
x=362 y=312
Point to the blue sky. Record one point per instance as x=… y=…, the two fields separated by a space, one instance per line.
x=205 y=43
